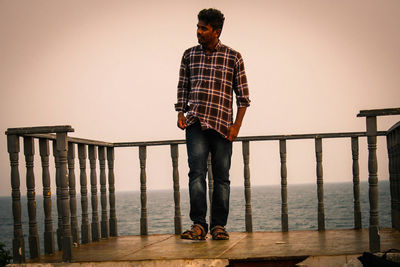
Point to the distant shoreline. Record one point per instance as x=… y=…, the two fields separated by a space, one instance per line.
x=185 y=188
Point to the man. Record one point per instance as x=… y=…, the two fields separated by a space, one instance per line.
x=209 y=74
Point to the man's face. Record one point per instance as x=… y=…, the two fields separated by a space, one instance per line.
x=206 y=34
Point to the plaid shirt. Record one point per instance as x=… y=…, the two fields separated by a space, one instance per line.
x=206 y=85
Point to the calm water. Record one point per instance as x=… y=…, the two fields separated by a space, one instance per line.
x=266 y=208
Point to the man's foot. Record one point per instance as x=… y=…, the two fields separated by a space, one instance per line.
x=197 y=232
x=219 y=233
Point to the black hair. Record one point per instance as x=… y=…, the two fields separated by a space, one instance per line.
x=212 y=16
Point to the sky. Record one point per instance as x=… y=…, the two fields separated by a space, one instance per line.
x=110 y=70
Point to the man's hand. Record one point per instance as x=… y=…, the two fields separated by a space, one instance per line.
x=233 y=132
x=181 y=120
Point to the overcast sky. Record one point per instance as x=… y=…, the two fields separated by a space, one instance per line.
x=110 y=69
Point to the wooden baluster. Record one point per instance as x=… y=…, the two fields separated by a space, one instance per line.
x=374 y=237
x=247 y=187
x=93 y=187
x=397 y=175
x=320 y=185
x=210 y=184
x=103 y=190
x=356 y=183
x=34 y=244
x=85 y=226
x=393 y=140
x=58 y=194
x=143 y=195
x=72 y=193
x=111 y=190
x=284 y=219
x=177 y=197
x=396 y=178
x=62 y=151
x=390 y=146
x=18 y=239
x=48 y=221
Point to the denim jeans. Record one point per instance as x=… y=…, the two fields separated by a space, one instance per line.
x=199 y=144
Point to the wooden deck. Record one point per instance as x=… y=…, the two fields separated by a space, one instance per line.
x=241 y=246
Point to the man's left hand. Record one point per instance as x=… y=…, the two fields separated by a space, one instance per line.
x=233 y=132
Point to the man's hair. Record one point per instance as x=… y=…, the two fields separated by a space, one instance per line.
x=212 y=16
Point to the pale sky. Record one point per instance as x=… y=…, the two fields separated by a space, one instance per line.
x=110 y=69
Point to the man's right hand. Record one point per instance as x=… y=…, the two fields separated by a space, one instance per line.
x=181 y=120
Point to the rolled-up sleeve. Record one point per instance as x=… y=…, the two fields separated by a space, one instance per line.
x=183 y=85
x=240 y=84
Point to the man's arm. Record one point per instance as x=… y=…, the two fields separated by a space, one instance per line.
x=183 y=92
x=242 y=97
x=234 y=129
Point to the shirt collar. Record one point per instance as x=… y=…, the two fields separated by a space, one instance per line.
x=217 y=46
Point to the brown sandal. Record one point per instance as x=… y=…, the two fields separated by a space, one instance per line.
x=197 y=232
x=219 y=233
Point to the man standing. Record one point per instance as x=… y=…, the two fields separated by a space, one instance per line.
x=209 y=74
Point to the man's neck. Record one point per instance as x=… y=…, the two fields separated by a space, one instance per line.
x=211 y=47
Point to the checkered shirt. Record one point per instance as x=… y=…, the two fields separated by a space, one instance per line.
x=206 y=85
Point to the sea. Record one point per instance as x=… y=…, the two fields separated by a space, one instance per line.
x=266 y=210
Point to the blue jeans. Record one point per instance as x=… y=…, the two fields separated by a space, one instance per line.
x=199 y=144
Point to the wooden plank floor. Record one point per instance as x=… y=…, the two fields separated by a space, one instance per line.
x=258 y=245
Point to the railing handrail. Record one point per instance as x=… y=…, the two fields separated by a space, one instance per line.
x=44 y=133
x=393 y=127
x=379 y=112
x=254 y=138
x=39 y=130
x=75 y=140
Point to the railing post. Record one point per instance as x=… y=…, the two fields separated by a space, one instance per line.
x=34 y=244
x=372 y=133
x=18 y=240
x=177 y=197
x=356 y=183
x=72 y=193
x=58 y=194
x=48 y=221
x=143 y=194
x=320 y=185
x=111 y=190
x=396 y=178
x=393 y=146
x=374 y=237
x=103 y=190
x=85 y=226
x=210 y=183
x=62 y=151
x=390 y=148
x=93 y=186
x=284 y=219
x=247 y=187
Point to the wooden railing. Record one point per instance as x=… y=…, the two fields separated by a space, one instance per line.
x=393 y=144
x=64 y=152
x=64 y=148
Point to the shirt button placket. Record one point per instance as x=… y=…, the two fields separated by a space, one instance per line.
x=209 y=62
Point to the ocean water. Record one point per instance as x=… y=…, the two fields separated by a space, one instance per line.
x=266 y=210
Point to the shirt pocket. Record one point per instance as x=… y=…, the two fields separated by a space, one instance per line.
x=219 y=73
